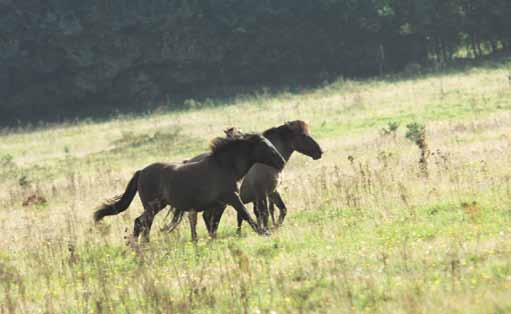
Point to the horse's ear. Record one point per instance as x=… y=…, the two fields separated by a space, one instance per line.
x=228 y=131
x=298 y=127
x=293 y=126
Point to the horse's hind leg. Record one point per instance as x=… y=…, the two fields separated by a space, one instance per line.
x=148 y=222
x=212 y=219
x=208 y=216
x=144 y=222
x=143 y=225
x=262 y=209
x=138 y=227
x=275 y=198
x=240 y=222
x=255 y=208
x=271 y=208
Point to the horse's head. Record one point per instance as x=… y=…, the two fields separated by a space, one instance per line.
x=264 y=152
x=233 y=132
x=301 y=140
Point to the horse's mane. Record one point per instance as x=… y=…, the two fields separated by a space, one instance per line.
x=292 y=127
x=221 y=144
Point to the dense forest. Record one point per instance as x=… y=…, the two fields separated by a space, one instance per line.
x=61 y=59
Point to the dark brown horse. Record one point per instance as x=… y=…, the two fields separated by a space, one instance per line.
x=260 y=184
x=210 y=182
x=232 y=132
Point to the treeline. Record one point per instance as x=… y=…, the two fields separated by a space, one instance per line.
x=445 y=27
x=68 y=58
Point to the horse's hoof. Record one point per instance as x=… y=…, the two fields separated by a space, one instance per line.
x=132 y=242
x=265 y=233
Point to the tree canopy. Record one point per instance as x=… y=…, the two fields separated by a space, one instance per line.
x=66 y=58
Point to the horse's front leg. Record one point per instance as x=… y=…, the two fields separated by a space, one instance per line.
x=144 y=222
x=235 y=201
x=192 y=218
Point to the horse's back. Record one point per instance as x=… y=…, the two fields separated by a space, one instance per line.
x=158 y=168
x=198 y=157
x=202 y=181
x=183 y=185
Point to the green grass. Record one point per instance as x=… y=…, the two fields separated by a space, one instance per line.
x=367 y=231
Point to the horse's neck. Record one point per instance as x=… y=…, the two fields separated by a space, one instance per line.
x=239 y=163
x=281 y=145
x=241 y=166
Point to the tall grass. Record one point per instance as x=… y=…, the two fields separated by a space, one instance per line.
x=367 y=231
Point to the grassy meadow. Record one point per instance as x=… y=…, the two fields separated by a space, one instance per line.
x=369 y=229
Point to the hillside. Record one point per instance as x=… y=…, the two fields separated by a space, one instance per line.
x=367 y=230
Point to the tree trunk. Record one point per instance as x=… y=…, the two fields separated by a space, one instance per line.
x=444 y=51
x=493 y=45
x=478 y=47
x=473 y=46
x=381 y=55
x=437 y=50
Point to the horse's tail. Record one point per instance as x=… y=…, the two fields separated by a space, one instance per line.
x=119 y=203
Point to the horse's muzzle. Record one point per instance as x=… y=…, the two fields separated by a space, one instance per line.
x=318 y=155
